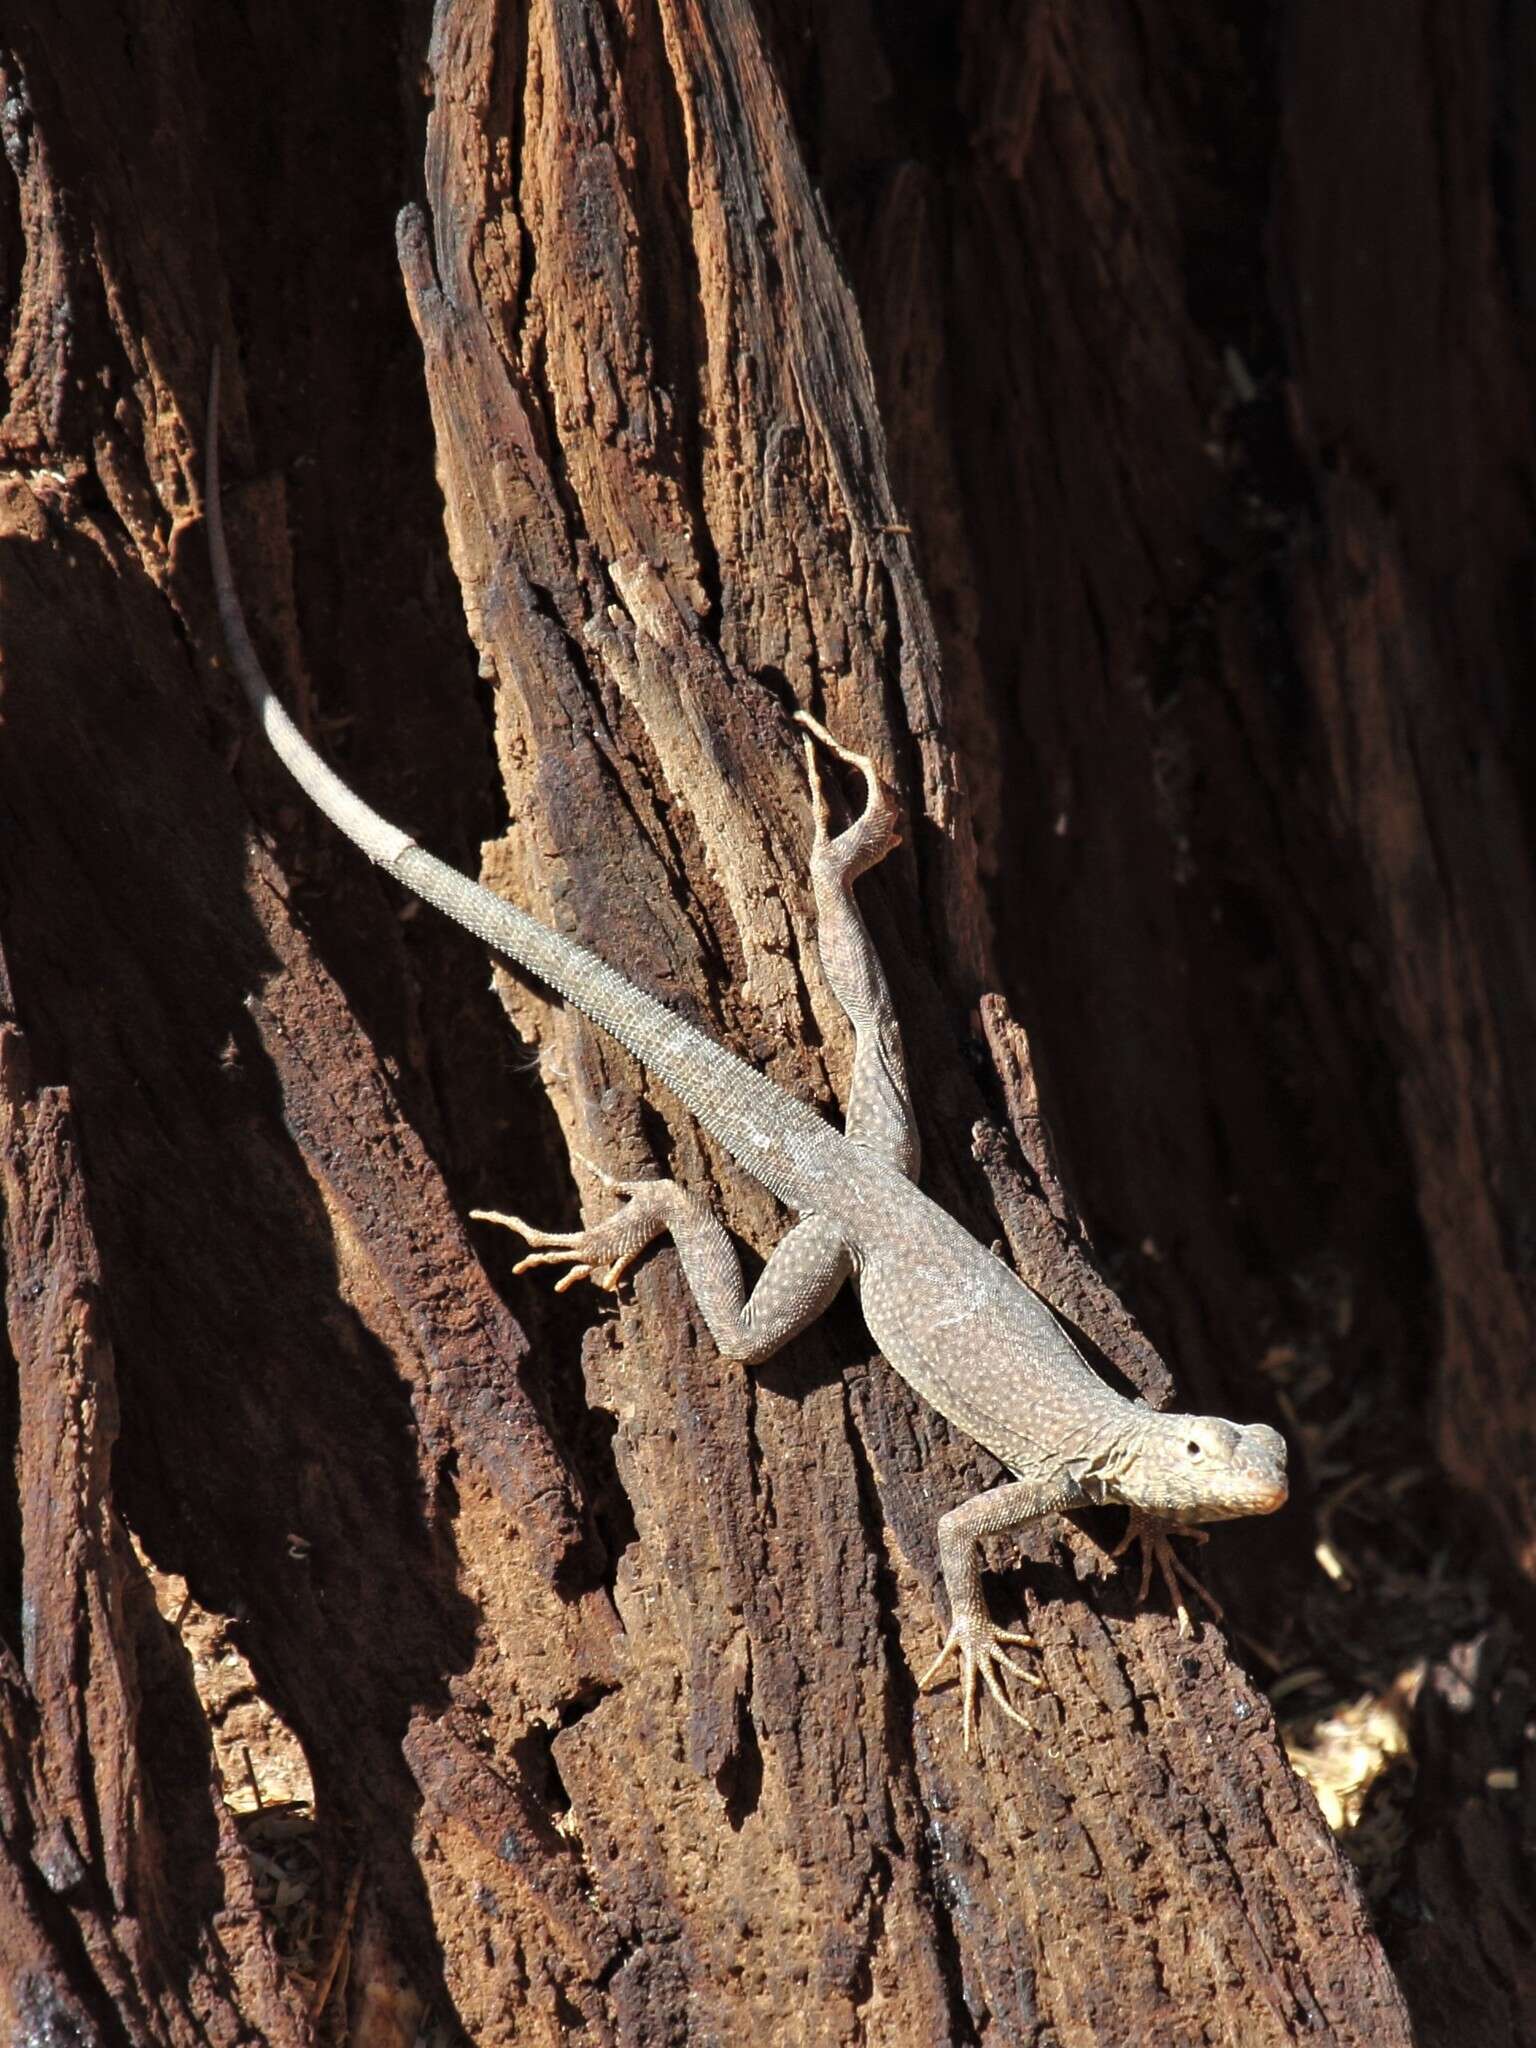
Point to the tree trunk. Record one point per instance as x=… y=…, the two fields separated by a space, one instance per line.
x=394 y=1650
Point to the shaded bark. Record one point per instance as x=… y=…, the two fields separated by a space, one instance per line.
x=600 y=1650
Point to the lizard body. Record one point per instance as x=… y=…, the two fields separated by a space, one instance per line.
x=958 y=1325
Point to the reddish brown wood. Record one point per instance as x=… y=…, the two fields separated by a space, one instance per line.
x=122 y=1881
x=601 y=1651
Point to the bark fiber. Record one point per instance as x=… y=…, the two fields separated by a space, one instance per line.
x=1118 y=421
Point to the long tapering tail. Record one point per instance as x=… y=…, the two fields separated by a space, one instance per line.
x=776 y=1137
x=380 y=840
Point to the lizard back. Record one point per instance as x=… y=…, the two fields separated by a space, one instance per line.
x=960 y=1326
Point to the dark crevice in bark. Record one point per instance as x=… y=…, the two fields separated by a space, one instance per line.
x=1149 y=305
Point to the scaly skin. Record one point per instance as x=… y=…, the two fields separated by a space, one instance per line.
x=960 y=1327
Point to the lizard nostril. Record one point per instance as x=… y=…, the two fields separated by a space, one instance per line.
x=1266 y=1448
x=1274 y=1495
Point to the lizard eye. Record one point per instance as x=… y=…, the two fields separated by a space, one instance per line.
x=1194 y=1449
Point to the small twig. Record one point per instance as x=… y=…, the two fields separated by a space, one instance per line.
x=327 y=1977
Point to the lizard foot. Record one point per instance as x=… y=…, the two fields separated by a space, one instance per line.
x=1156 y=1540
x=604 y=1253
x=975 y=1642
x=876 y=830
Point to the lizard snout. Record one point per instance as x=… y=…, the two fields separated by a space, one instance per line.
x=1265 y=1462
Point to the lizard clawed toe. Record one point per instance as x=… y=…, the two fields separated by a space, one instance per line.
x=610 y=1182
x=875 y=831
x=976 y=1644
x=1156 y=1540
x=815 y=730
x=1004 y=1374
x=588 y=1254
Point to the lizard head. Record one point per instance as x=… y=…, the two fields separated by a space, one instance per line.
x=1199 y=1468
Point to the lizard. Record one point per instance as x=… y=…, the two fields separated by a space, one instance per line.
x=952 y=1318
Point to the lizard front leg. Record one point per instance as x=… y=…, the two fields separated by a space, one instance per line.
x=808 y=1265
x=975 y=1641
x=1156 y=1539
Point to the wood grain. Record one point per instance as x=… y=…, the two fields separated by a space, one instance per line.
x=603 y=382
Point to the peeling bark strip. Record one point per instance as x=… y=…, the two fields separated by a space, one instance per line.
x=600 y=1650
x=584 y=453
x=107 y=1905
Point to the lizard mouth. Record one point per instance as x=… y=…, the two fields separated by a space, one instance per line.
x=1267 y=1487
x=1254 y=1489
x=1253 y=1483
x=1259 y=1494
x=1263 y=1485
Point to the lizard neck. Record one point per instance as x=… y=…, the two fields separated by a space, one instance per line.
x=1122 y=1442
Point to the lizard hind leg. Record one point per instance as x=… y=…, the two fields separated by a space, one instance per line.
x=873 y=834
x=880 y=1114
x=604 y=1252
x=806 y=1268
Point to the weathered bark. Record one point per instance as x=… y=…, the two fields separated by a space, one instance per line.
x=600 y=1650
